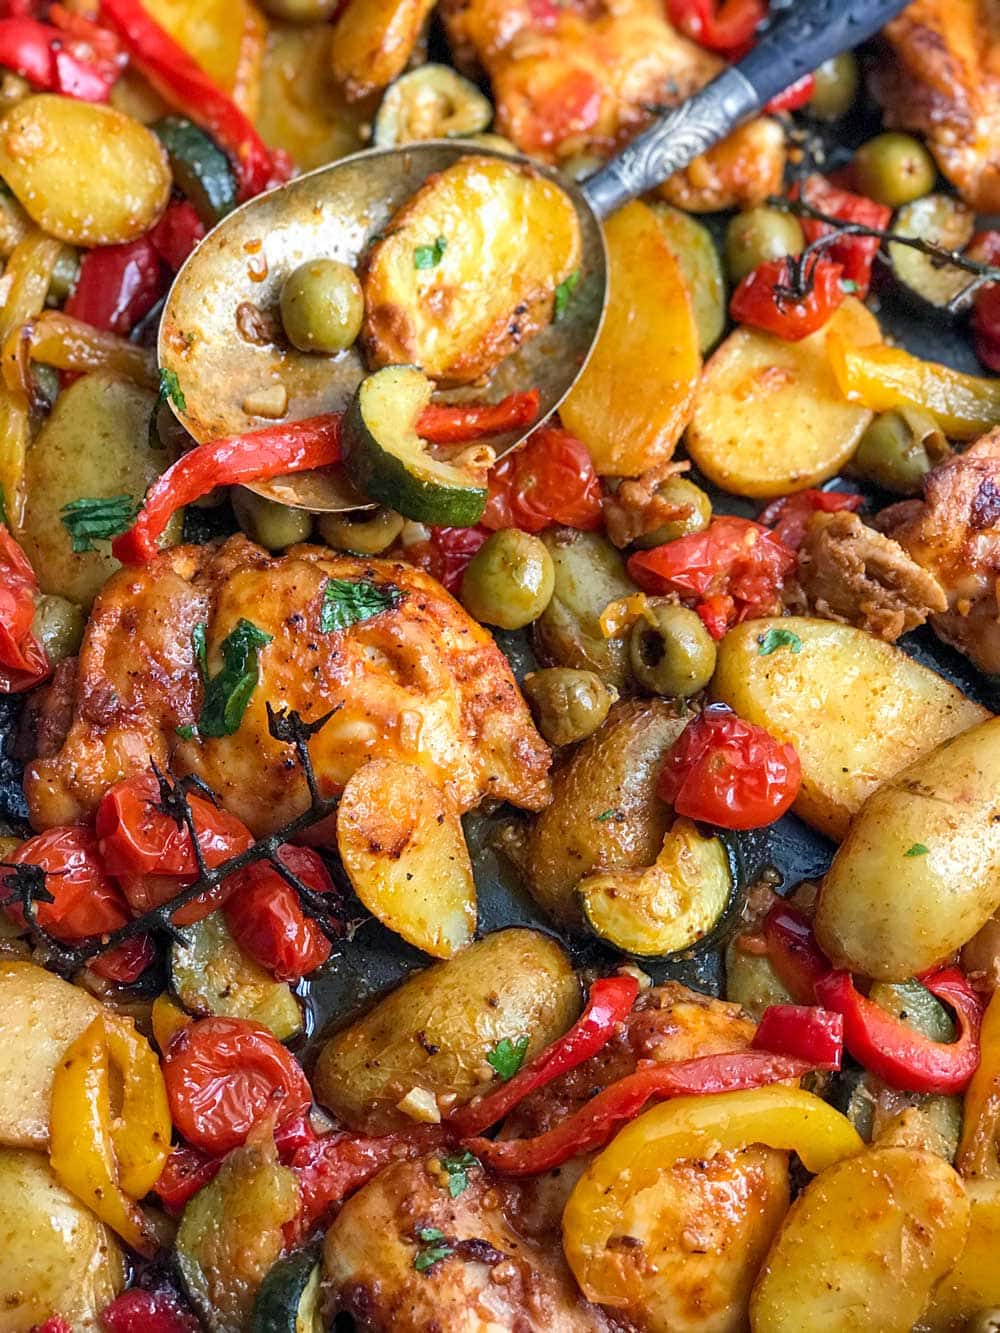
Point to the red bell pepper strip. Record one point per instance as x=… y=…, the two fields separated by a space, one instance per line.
x=897 y=1054
x=76 y=58
x=788 y=517
x=726 y=26
x=138 y=1311
x=856 y=254
x=794 y=97
x=182 y=82
x=22 y=658
x=595 y=1123
x=458 y=423
x=298 y=446
x=611 y=999
x=117 y=285
x=803 y=1031
x=761 y=302
x=177 y=233
x=793 y=952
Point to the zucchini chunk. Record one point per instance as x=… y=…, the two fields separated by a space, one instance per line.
x=668 y=906
x=214 y=976
x=388 y=461
x=694 y=248
x=946 y=222
x=430 y=102
x=468 y=269
x=289 y=1299
x=201 y=169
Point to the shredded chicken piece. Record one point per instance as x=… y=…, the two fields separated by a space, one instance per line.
x=636 y=507
x=851 y=573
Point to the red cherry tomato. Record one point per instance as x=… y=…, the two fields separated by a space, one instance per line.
x=759 y=300
x=725 y=771
x=223 y=1075
x=127 y=961
x=186 y=1170
x=85 y=900
x=855 y=253
x=789 y=516
x=266 y=919
x=986 y=326
x=447 y=553
x=726 y=26
x=549 y=480
x=138 y=1311
x=22 y=658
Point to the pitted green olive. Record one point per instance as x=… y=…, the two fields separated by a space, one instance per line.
x=568 y=705
x=509 y=581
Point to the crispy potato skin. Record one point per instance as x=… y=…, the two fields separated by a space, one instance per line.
x=373 y=40
x=948 y=804
x=511 y=237
x=496 y=1279
x=856 y=709
x=436 y=1029
x=421 y=682
x=863 y=1246
x=614 y=770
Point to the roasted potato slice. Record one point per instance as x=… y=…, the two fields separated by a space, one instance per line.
x=863 y=1246
x=974 y=1282
x=919 y=871
x=468 y=270
x=435 y=1031
x=856 y=709
x=401 y=842
x=373 y=40
x=769 y=417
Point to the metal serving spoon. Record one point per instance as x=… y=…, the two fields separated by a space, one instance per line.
x=214 y=332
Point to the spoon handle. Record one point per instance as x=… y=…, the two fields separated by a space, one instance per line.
x=810 y=32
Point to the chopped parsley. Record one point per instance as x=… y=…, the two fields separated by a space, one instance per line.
x=200 y=648
x=918 y=849
x=563 y=292
x=778 y=638
x=346 y=602
x=170 y=389
x=433 y=1250
x=507 y=1056
x=605 y=815
x=429 y=256
x=228 y=693
x=458 y=1166
x=97 y=518
x=186 y=731
x=848 y=285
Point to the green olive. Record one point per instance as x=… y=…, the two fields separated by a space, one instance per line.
x=301 y=11
x=269 y=523
x=898 y=449
x=64 y=275
x=836 y=87
x=894 y=169
x=58 y=626
x=671 y=651
x=680 y=492
x=368 y=534
x=322 y=306
x=509 y=581
x=758 y=235
x=568 y=705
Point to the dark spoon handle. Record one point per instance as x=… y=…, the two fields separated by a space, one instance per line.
x=809 y=33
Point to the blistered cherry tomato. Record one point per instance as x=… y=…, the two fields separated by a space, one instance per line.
x=86 y=901
x=761 y=299
x=726 y=26
x=549 y=480
x=138 y=1311
x=127 y=961
x=266 y=919
x=446 y=555
x=788 y=517
x=22 y=658
x=856 y=254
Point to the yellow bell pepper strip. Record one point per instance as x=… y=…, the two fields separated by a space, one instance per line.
x=168 y=1019
x=696 y=1128
x=109 y=1161
x=883 y=378
x=979 y=1146
x=69 y=344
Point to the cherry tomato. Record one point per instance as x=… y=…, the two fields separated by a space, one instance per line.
x=127 y=961
x=794 y=97
x=549 y=480
x=138 y=1311
x=223 y=1075
x=986 y=326
x=856 y=254
x=186 y=1170
x=85 y=900
x=725 y=771
x=726 y=26
x=22 y=658
x=733 y=570
x=759 y=300
x=789 y=516
x=266 y=919
x=447 y=554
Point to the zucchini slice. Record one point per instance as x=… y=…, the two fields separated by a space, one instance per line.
x=694 y=248
x=214 y=976
x=289 y=1297
x=668 y=906
x=430 y=102
x=201 y=169
x=386 y=458
x=946 y=222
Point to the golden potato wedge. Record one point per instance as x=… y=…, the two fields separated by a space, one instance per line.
x=111 y=187
x=919 y=871
x=856 y=709
x=435 y=1031
x=974 y=1282
x=226 y=37
x=373 y=40
x=634 y=397
x=401 y=842
x=468 y=269
x=768 y=415
x=863 y=1246
x=40 y=1017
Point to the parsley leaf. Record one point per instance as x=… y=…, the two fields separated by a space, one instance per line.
x=848 y=285
x=200 y=648
x=97 y=518
x=507 y=1057
x=605 y=815
x=563 y=292
x=458 y=1167
x=778 y=638
x=346 y=602
x=429 y=256
x=186 y=731
x=170 y=389
x=433 y=1250
x=918 y=849
x=228 y=693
